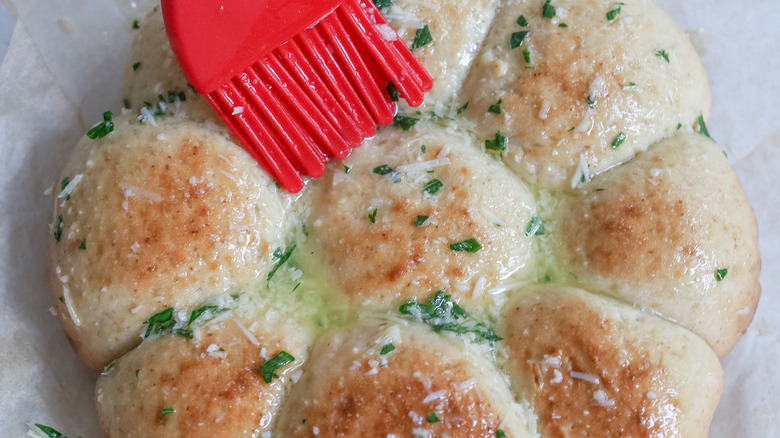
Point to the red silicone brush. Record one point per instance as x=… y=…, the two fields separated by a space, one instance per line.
x=297 y=81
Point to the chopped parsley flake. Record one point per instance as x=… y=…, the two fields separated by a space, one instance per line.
x=662 y=54
x=135 y=24
x=516 y=40
x=422 y=37
x=136 y=66
x=463 y=108
x=679 y=125
x=393 y=92
x=591 y=103
x=720 y=274
x=281 y=257
x=535 y=227
x=372 y=216
x=50 y=431
x=347 y=168
x=58 y=229
x=162 y=323
x=420 y=221
x=126 y=103
x=522 y=21
x=104 y=128
x=468 y=245
x=136 y=373
x=405 y=122
x=387 y=348
x=433 y=418
x=422 y=148
x=548 y=10
x=617 y=141
x=443 y=314
x=383 y=4
x=496 y=107
x=498 y=143
x=563 y=25
x=703 y=127
x=63 y=184
x=268 y=369
x=83 y=244
x=500 y=433
x=383 y=169
x=167 y=410
x=615 y=11
x=546 y=278
x=108 y=369
x=432 y=186
x=527 y=56
x=200 y=311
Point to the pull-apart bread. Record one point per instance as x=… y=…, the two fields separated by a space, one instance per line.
x=552 y=245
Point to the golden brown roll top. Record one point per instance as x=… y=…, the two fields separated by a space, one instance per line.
x=399 y=380
x=670 y=231
x=152 y=217
x=579 y=91
x=227 y=381
x=413 y=212
x=591 y=367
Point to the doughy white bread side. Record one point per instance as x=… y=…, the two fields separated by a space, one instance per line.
x=586 y=84
x=155 y=217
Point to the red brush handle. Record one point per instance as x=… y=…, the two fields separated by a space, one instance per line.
x=215 y=40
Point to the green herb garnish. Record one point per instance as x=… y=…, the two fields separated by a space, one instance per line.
x=135 y=24
x=167 y=410
x=498 y=143
x=535 y=227
x=281 y=257
x=443 y=314
x=422 y=37
x=159 y=322
x=347 y=168
x=387 y=348
x=104 y=128
x=393 y=92
x=516 y=40
x=50 y=431
x=83 y=244
x=500 y=433
x=200 y=311
x=720 y=274
x=468 y=245
x=372 y=216
x=615 y=11
x=432 y=186
x=463 y=108
x=108 y=369
x=420 y=221
x=496 y=107
x=433 y=418
x=662 y=54
x=268 y=369
x=591 y=102
x=522 y=21
x=617 y=141
x=383 y=169
x=548 y=10
x=405 y=122
x=58 y=229
x=563 y=25
x=527 y=57
x=703 y=127
x=383 y=4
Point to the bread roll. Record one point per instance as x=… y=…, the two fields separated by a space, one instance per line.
x=620 y=66
x=591 y=367
x=152 y=217
x=386 y=238
x=657 y=231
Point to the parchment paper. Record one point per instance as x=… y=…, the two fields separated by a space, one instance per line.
x=64 y=67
